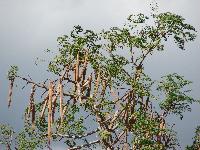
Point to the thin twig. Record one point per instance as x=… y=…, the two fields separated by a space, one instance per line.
x=84 y=145
x=77 y=136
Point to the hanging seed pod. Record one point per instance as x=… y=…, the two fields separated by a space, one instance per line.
x=162 y=124
x=126 y=146
x=147 y=103
x=26 y=116
x=50 y=111
x=31 y=101
x=77 y=68
x=132 y=97
x=127 y=118
x=74 y=68
x=65 y=73
x=79 y=92
x=33 y=115
x=10 y=92
x=32 y=105
x=103 y=87
x=54 y=102
x=64 y=111
x=53 y=107
x=84 y=85
x=96 y=86
x=113 y=93
x=61 y=101
x=75 y=80
x=89 y=84
x=83 y=71
x=44 y=106
x=134 y=147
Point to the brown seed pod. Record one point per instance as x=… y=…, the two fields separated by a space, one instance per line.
x=54 y=101
x=84 y=85
x=89 y=84
x=64 y=111
x=77 y=68
x=104 y=85
x=83 y=71
x=61 y=101
x=79 y=92
x=53 y=107
x=10 y=92
x=44 y=106
x=126 y=146
x=96 y=86
x=32 y=105
x=50 y=111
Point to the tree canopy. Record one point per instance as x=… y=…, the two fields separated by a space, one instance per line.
x=101 y=96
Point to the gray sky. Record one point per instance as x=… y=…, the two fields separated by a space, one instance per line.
x=29 y=27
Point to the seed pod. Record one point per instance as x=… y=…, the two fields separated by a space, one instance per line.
x=32 y=105
x=53 y=107
x=77 y=68
x=89 y=84
x=64 y=110
x=103 y=87
x=44 y=106
x=96 y=86
x=61 y=101
x=10 y=92
x=83 y=71
x=54 y=101
x=79 y=92
x=126 y=146
x=50 y=111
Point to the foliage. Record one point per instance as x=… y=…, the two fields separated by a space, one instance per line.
x=101 y=95
x=6 y=133
x=176 y=101
x=196 y=142
x=12 y=73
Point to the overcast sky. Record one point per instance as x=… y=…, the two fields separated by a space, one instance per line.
x=28 y=27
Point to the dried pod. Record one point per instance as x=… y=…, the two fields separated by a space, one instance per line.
x=77 y=68
x=44 y=106
x=79 y=92
x=84 y=85
x=74 y=69
x=89 y=84
x=54 y=101
x=162 y=124
x=83 y=71
x=53 y=107
x=96 y=85
x=65 y=73
x=50 y=111
x=113 y=93
x=64 y=110
x=10 y=92
x=32 y=105
x=61 y=101
x=126 y=146
x=103 y=87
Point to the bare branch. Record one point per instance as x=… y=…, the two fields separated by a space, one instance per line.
x=32 y=82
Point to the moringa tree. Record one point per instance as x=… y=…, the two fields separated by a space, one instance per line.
x=101 y=96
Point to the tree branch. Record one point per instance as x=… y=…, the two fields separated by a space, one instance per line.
x=77 y=136
x=84 y=145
